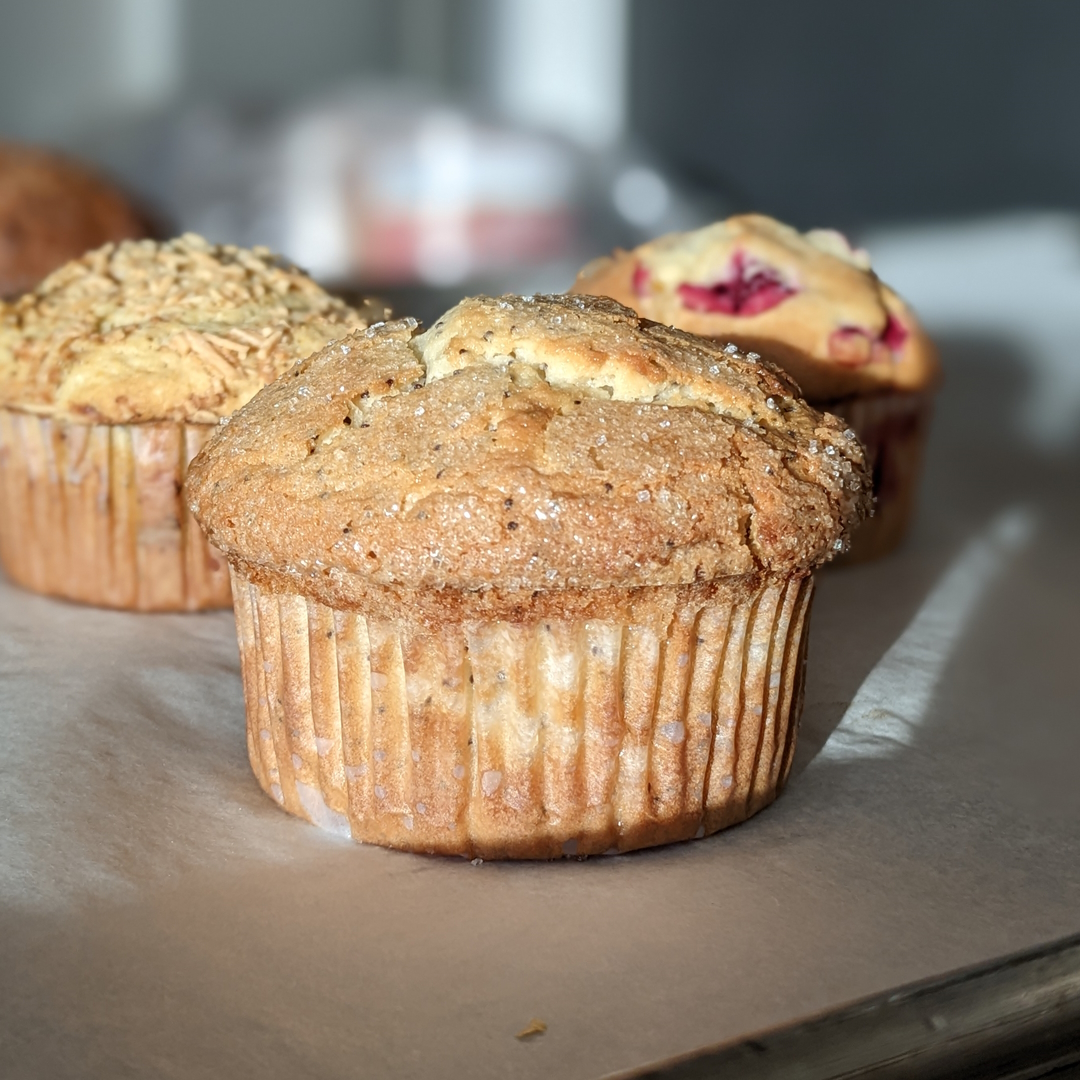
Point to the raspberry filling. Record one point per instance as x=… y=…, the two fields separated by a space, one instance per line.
x=640 y=280
x=749 y=289
x=895 y=334
x=854 y=346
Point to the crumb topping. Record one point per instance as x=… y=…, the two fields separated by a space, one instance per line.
x=145 y=331
x=528 y=443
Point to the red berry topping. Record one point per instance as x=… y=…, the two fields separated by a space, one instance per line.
x=640 y=280
x=749 y=289
x=894 y=335
x=851 y=346
x=854 y=346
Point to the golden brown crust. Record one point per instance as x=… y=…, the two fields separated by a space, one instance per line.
x=432 y=609
x=829 y=322
x=52 y=210
x=527 y=444
x=176 y=331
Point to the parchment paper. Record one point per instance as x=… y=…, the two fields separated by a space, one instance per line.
x=160 y=917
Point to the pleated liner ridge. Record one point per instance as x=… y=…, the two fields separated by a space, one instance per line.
x=893 y=426
x=95 y=513
x=503 y=740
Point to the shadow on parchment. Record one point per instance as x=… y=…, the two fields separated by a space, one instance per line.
x=977 y=464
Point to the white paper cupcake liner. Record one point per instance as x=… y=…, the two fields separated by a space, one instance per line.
x=893 y=427
x=95 y=513
x=505 y=740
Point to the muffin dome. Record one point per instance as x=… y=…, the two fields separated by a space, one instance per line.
x=810 y=301
x=113 y=374
x=145 y=331
x=526 y=444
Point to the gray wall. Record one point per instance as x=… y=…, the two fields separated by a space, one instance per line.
x=276 y=49
x=820 y=111
x=844 y=111
x=65 y=70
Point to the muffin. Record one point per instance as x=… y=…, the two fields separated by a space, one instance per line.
x=51 y=211
x=812 y=304
x=532 y=583
x=113 y=373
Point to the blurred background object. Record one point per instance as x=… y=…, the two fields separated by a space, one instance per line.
x=53 y=209
x=390 y=186
x=426 y=148
x=422 y=148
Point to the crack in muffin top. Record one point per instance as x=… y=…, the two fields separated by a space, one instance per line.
x=549 y=442
x=807 y=300
x=145 y=331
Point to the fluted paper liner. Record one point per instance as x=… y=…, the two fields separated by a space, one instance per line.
x=95 y=513
x=504 y=740
x=893 y=426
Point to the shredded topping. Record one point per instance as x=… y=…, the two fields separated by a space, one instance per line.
x=154 y=331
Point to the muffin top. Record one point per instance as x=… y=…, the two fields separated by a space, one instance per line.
x=146 y=331
x=809 y=301
x=52 y=210
x=527 y=443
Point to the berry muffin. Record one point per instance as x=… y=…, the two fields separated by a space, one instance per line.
x=51 y=211
x=812 y=304
x=113 y=373
x=532 y=583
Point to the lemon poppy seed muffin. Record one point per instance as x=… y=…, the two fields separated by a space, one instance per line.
x=530 y=583
x=113 y=372
x=811 y=303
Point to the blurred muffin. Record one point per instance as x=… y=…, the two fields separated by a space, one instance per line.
x=113 y=373
x=812 y=304
x=534 y=582
x=51 y=211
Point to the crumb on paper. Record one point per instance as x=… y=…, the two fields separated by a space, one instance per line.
x=533 y=1027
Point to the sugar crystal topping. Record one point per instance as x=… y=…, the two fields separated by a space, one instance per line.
x=529 y=444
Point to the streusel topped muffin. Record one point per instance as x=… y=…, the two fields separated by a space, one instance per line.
x=144 y=331
x=518 y=579
x=113 y=372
